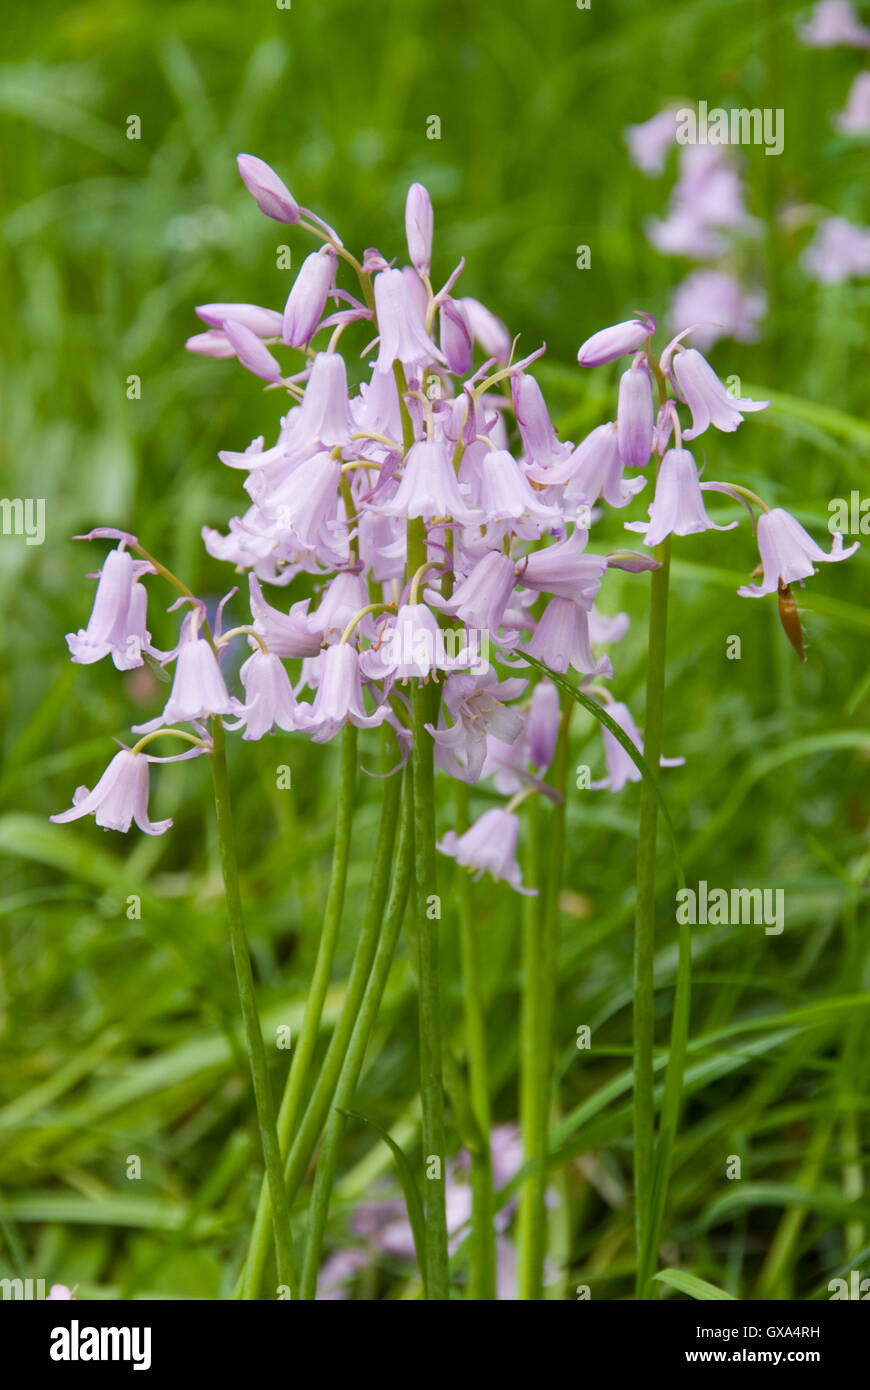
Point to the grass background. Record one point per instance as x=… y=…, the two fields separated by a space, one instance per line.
x=117 y=1036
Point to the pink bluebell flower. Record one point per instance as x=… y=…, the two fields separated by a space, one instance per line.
x=251 y=351
x=419 y=221
x=307 y=299
x=561 y=639
x=198 y=688
x=116 y=626
x=840 y=250
x=609 y=344
x=855 y=118
x=428 y=487
x=119 y=797
x=678 y=506
x=489 y=846
x=789 y=553
x=650 y=141
x=635 y=415
x=269 y=699
x=479 y=708
x=706 y=397
x=269 y=193
x=488 y=329
x=620 y=767
x=835 y=22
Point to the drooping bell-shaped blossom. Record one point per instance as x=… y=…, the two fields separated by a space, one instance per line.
x=561 y=639
x=269 y=699
x=324 y=416
x=789 y=553
x=478 y=706
x=343 y=597
x=252 y=351
x=840 y=250
x=265 y=323
x=307 y=299
x=428 y=487
x=635 y=415
x=489 y=846
x=715 y=305
x=403 y=336
x=198 y=687
x=294 y=634
x=705 y=395
x=502 y=492
x=834 y=22
x=307 y=504
x=542 y=725
x=564 y=569
x=855 y=118
x=488 y=329
x=382 y=542
x=119 y=798
x=649 y=141
x=598 y=471
x=482 y=597
x=609 y=344
x=269 y=193
x=678 y=506
x=116 y=626
x=457 y=342
x=620 y=767
x=413 y=646
x=60 y=1291
x=419 y=223
x=339 y=697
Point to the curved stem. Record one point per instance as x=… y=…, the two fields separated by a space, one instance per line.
x=297 y=1080
x=481 y=1257
x=353 y=1061
x=644 y=937
x=247 y=998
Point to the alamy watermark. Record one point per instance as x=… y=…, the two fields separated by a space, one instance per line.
x=735 y=126
x=741 y=907
x=849 y=515
x=23 y=516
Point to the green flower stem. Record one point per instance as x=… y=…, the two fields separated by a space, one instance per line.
x=298 y=1078
x=481 y=1249
x=644 y=938
x=426 y=935
x=541 y=937
x=353 y=1062
x=247 y=998
x=533 y=1097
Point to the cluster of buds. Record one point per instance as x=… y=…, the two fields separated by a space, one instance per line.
x=440 y=518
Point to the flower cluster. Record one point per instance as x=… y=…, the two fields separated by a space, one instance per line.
x=440 y=519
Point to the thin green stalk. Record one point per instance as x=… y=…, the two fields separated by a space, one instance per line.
x=541 y=948
x=298 y=1077
x=436 y=1274
x=644 y=939
x=534 y=1092
x=247 y=998
x=353 y=1062
x=481 y=1247
x=317 y=1110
